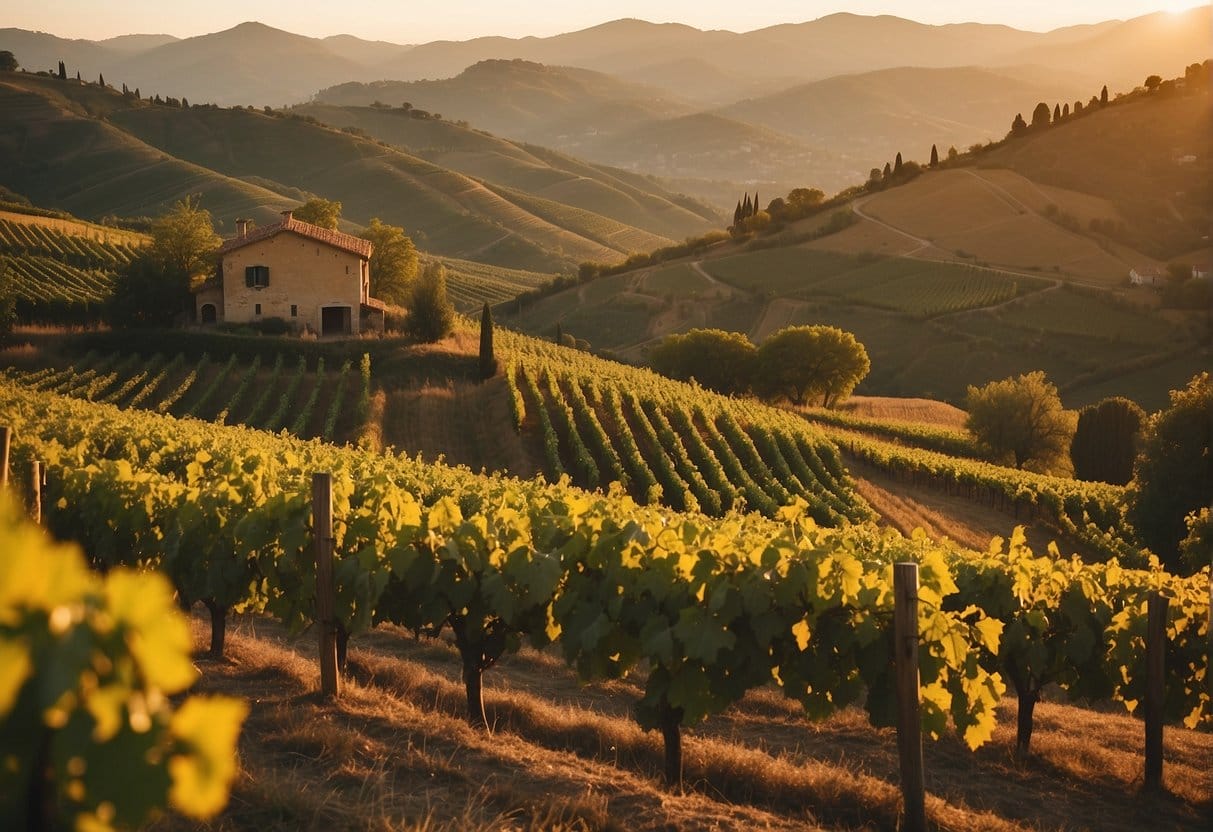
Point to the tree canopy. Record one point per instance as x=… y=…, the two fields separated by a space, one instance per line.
x=394 y=262
x=322 y=212
x=719 y=360
x=184 y=239
x=1105 y=441
x=1041 y=115
x=8 y=61
x=1021 y=420
x=148 y=293
x=431 y=316
x=802 y=362
x=1173 y=474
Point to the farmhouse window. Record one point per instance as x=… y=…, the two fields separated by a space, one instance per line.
x=294 y=310
x=256 y=277
x=257 y=309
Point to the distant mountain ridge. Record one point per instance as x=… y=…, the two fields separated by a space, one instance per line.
x=257 y=64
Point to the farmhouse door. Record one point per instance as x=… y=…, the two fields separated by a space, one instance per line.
x=335 y=320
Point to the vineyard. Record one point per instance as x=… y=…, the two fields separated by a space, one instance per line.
x=712 y=609
x=307 y=399
x=667 y=442
x=54 y=272
x=919 y=288
x=470 y=284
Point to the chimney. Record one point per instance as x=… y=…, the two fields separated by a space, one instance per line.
x=286 y=215
x=242 y=228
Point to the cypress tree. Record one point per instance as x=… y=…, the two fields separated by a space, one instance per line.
x=897 y=164
x=934 y=156
x=137 y=95
x=755 y=208
x=78 y=75
x=185 y=103
x=888 y=170
x=62 y=72
x=1056 y=113
x=747 y=207
x=1105 y=441
x=737 y=214
x=559 y=334
x=1065 y=111
x=1103 y=96
x=488 y=362
x=101 y=80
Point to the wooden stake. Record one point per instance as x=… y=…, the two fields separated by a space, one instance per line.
x=1156 y=648
x=909 y=725
x=322 y=529
x=35 y=505
x=6 y=435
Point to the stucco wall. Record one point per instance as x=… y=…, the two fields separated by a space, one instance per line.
x=303 y=272
x=212 y=295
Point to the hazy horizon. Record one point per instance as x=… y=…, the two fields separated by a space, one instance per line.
x=466 y=19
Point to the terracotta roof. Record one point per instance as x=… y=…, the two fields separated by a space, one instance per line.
x=375 y=303
x=336 y=239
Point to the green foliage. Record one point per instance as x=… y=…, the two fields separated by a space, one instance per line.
x=1022 y=419
x=1105 y=441
x=719 y=360
x=802 y=362
x=8 y=61
x=431 y=316
x=322 y=212
x=394 y=261
x=1041 y=115
x=1173 y=474
x=488 y=361
x=148 y=292
x=8 y=301
x=1196 y=550
x=184 y=239
x=89 y=735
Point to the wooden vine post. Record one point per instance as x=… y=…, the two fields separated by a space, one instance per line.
x=6 y=435
x=35 y=482
x=322 y=529
x=909 y=725
x=1156 y=648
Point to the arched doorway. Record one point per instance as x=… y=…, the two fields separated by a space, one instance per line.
x=207 y=313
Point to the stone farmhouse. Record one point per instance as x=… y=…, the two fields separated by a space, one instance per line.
x=313 y=278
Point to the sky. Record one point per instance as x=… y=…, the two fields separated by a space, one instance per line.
x=408 y=21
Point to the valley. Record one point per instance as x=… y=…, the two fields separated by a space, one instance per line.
x=649 y=426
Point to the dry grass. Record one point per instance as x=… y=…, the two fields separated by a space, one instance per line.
x=925 y=411
x=394 y=753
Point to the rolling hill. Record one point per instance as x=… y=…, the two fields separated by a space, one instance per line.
x=523 y=100
x=536 y=170
x=60 y=157
x=980 y=270
x=608 y=121
x=143 y=157
x=868 y=118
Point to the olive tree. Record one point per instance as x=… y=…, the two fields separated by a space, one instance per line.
x=1021 y=420
x=799 y=363
x=719 y=360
